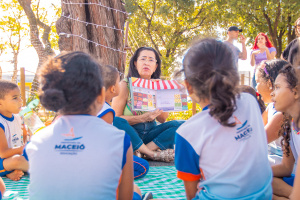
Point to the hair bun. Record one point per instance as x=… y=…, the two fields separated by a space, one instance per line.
x=53 y=99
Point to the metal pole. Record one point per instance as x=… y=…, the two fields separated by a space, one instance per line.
x=22 y=85
x=126 y=44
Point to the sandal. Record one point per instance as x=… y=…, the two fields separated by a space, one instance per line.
x=164 y=155
x=138 y=154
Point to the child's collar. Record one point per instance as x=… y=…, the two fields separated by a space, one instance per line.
x=8 y=118
x=206 y=107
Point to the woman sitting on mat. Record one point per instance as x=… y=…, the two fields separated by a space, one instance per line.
x=146 y=136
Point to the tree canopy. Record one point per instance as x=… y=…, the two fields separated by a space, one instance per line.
x=169 y=25
x=274 y=17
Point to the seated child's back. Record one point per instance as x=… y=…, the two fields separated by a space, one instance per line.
x=232 y=162
x=224 y=147
x=79 y=156
x=73 y=158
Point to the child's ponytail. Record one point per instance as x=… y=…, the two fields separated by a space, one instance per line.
x=222 y=98
x=210 y=68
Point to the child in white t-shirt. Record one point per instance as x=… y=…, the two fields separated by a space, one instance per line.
x=221 y=152
x=12 y=163
x=111 y=79
x=286 y=100
x=79 y=156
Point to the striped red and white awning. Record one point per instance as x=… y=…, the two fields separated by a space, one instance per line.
x=156 y=85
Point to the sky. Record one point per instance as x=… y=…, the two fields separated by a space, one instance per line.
x=29 y=60
x=28 y=57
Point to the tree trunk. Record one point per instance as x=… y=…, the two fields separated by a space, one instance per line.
x=74 y=34
x=15 y=73
x=41 y=49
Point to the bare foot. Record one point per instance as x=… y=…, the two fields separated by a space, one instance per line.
x=15 y=175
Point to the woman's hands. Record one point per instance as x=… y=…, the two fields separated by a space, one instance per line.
x=262 y=47
x=150 y=116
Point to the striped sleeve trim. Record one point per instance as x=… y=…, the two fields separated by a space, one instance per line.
x=125 y=148
x=188 y=176
x=2 y=126
x=107 y=111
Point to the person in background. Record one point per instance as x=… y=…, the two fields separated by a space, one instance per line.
x=262 y=50
x=233 y=33
x=291 y=52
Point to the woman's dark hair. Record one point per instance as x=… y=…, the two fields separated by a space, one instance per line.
x=210 y=68
x=290 y=75
x=269 y=70
x=132 y=72
x=110 y=75
x=250 y=90
x=70 y=83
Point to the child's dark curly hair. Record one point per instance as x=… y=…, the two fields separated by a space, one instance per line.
x=70 y=83
x=286 y=132
x=250 y=90
x=269 y=69
x=210 y=68
x=291 y=78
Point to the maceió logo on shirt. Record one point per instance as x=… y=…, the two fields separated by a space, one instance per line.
x=244 y=131
x=70 y=145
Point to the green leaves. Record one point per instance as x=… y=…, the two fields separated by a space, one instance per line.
x=169 y=25
x=273 y=17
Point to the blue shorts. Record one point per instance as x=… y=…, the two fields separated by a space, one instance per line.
x=3 y=172
x=289 y=180
x=140 y=166
x=136 y=196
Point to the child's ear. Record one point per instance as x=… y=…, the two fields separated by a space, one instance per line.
x=112 y=89
x=189 y=87
x=101 y=97
x=269 y=84
x=296 y=92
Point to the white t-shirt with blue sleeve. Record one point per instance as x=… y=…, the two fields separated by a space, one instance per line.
x=295 y=142
x=13 y=130
x=76 y=157
x=230 y=162
x=106 y=109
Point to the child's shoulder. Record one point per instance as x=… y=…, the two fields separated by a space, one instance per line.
x=14 y=119
x=105 y=109
x=196 y=122
x=246 y=100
